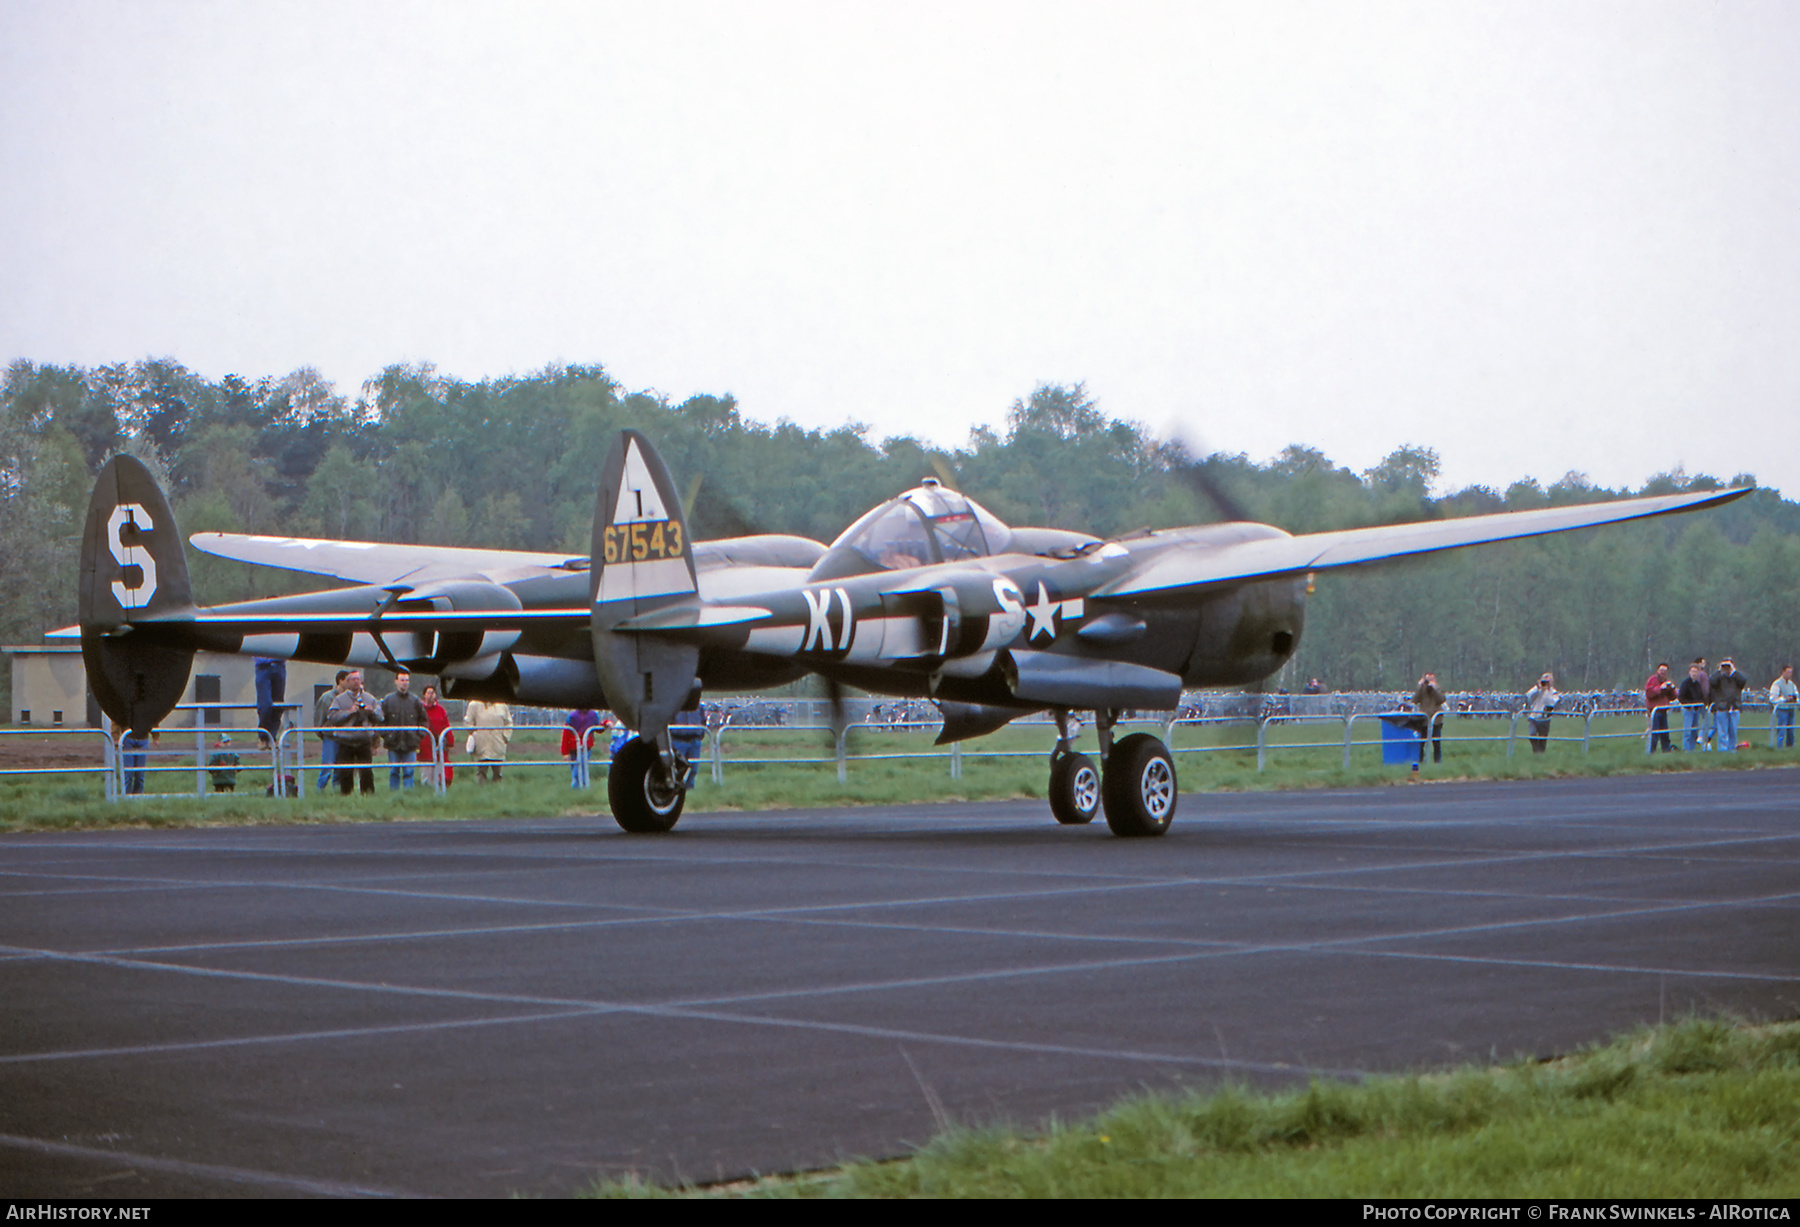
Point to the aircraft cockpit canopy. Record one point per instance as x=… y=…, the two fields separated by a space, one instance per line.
x=928 y=524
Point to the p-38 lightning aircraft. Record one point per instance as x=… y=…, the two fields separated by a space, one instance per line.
x=928 y=595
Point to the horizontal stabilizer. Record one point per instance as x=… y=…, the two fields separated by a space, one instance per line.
x=676 y=618
x=251 y=622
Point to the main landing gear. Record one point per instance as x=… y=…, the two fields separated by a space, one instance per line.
x=646 y=794
x=1138 y=791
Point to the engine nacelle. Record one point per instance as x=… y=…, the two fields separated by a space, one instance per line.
x=469 y=654
x=1247 y=633
x=541 y=681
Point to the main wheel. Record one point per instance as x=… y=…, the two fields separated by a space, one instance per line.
x=1074 y=789
x=644 y=800
x=1139 y=790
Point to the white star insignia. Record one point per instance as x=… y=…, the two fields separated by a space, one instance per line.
x=1043 y=613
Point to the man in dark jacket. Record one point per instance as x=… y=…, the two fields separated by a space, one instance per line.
x=1727 y=692
x=1692 y=697
x=404 y=716
x=328 y=745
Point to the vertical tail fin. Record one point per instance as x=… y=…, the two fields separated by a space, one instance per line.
x=133 y=570
x=643 y=559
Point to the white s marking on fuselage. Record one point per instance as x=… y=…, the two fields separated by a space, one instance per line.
x=138 y=595
x=1005 y=624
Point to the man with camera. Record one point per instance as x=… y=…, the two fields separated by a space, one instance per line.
x=1540 y=701
x=1429 y=723
x=1659 y=692
x=1728 y=686
x=353 y=716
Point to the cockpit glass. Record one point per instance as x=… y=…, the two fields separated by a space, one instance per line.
x=952 y=521
x=895 y=539
x=926 y=525
x=958 y=536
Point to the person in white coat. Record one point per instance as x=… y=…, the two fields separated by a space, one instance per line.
x=1785 y=696
x=490 y=728
x=1540 y=701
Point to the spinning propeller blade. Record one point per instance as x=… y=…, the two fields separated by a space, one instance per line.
x=1198 y=477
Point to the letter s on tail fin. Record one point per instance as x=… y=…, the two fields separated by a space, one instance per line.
x=643 y=560
x=132 y=596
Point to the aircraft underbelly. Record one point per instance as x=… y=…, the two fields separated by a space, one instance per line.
x=722 y=669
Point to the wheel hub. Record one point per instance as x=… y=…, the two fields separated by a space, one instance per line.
x=1158 y=788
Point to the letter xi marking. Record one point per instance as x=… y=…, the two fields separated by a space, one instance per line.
x=818 y=620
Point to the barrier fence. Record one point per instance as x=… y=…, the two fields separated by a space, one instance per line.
x=1270 y=732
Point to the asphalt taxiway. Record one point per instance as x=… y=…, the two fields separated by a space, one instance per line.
x=483 y=1008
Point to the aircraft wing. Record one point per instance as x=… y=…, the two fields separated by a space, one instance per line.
x=375 y=562
x=1177 y=569
x=381 y=562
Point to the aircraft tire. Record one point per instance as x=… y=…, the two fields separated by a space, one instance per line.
x=641 y=803
x=1074 y=789
x=1139 y=788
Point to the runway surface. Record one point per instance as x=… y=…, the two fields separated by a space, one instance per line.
x=484 y=1008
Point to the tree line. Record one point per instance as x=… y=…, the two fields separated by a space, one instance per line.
x=513 y=462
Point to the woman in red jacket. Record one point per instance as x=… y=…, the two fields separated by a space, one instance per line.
x=437 y=719
x=575 y=735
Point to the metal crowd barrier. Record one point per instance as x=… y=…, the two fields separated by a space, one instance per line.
x=432 y=771
x=840 y=756
x=1587 y=714
x=104 y=769
x=288 y=753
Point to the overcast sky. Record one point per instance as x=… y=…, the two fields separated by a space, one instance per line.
x=1536 y=237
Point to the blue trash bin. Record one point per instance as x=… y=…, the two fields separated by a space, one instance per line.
x=1399 y=742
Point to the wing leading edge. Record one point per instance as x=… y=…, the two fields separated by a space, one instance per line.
x=373 y=562
x=1271 y=558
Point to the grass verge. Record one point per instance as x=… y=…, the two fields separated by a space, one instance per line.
x=1695 y=1109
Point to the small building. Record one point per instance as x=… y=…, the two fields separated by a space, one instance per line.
x=49 y=688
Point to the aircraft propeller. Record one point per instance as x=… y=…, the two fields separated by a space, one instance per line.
x=840 y=720
x=1197 y=475
x=718 y=516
